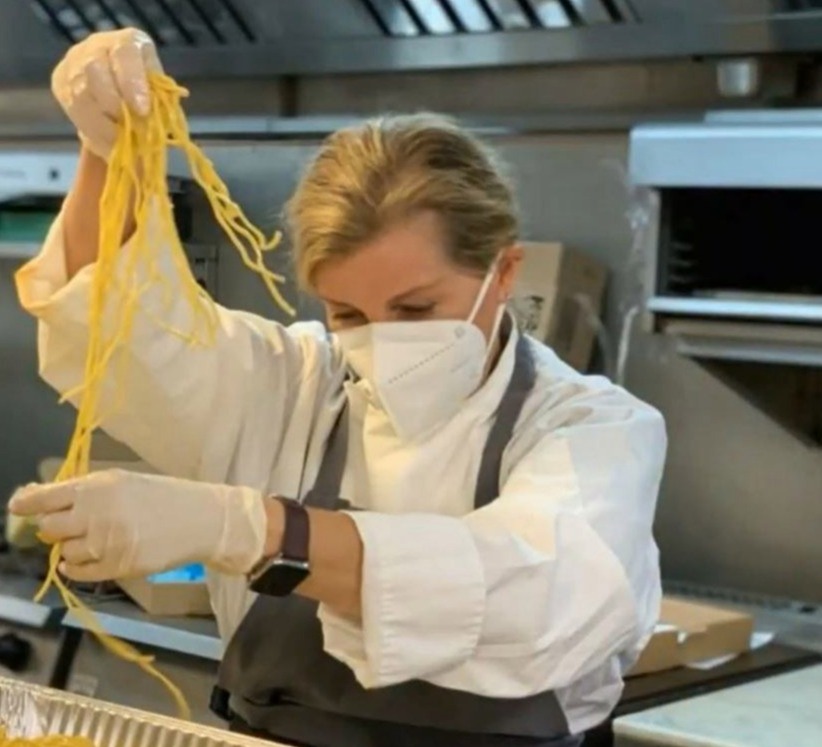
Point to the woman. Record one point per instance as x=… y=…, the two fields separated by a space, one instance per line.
x=471 y=560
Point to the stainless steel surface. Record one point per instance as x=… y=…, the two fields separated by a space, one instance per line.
x=108 y=725
x=798 y=334
x=796 y=345
x=19 y=250
x=724 y=154
x=47 y=171
x=188 y=635
x=596 y=43
x=738 y=78
x=768 y=352
x=785 y=311
x=314 y=36
x=240 y=127
x=764 y=116
x=17 y=605
x=26 y=173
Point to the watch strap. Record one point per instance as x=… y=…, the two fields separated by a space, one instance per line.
x=296 y=531
x=295 y=541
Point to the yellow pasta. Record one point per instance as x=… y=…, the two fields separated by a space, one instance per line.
x=137 y=181
x=52 y=740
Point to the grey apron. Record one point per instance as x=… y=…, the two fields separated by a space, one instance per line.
x=277 y=680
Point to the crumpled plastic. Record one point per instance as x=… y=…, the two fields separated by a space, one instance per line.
x=20 y=716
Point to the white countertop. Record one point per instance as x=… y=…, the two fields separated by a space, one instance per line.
x=774 y=712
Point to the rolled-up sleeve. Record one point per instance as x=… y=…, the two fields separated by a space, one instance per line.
x=533 y=591
x=422 y=578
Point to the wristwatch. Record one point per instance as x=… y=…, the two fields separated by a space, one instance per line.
x=278 y=575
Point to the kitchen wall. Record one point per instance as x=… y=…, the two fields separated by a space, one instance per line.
x=31 y=424
x=740 y=505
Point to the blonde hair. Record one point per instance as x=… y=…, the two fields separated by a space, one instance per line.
x=371 y=176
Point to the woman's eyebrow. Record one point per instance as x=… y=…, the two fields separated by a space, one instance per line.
x=396 y=299
x=418 y=289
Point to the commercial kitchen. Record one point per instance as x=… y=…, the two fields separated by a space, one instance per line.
x=666 y=163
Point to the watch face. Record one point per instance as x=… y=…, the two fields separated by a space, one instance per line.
x=281 y=577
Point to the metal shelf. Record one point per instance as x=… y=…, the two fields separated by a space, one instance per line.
x=186 y=635
x=767 y=311
x=18 y=608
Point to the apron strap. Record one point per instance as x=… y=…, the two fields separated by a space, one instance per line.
x=510 y=407
x=326 y=490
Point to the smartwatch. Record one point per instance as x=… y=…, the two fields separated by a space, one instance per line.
x=278 y=575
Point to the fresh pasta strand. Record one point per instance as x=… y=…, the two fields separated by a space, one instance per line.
x=51 y=740
x=137 y=181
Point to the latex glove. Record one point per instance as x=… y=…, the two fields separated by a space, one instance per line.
x=119 y=524
x=97 y=76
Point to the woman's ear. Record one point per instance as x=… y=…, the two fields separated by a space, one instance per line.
x=510 y=262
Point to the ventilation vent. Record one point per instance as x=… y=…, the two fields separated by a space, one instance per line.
x=170 y=22
x=402 y=18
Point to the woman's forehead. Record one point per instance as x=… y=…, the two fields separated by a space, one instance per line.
x=408 y=255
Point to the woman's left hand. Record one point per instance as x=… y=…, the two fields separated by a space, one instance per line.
x=119 y=524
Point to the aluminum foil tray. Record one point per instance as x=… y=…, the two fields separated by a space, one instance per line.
x=109 y=725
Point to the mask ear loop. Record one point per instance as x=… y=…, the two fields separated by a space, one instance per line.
x=483 y=291
x=500 y=315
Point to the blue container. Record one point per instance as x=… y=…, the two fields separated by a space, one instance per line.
x=192 y=573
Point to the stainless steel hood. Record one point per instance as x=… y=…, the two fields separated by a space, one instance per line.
x=251 y=38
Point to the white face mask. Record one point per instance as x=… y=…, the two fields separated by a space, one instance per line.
x=421 y=372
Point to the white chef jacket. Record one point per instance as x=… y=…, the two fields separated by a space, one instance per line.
x=553 y=586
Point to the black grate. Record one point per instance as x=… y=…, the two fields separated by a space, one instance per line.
x=170 y=22
x=402 y=18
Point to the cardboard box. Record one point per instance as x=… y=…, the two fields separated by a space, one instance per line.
x=169 y=599
x=690 y=632
x=558 y=299
x=660 y=653
x=709 y=631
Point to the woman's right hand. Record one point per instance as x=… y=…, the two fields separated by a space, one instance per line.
x=97 y=76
